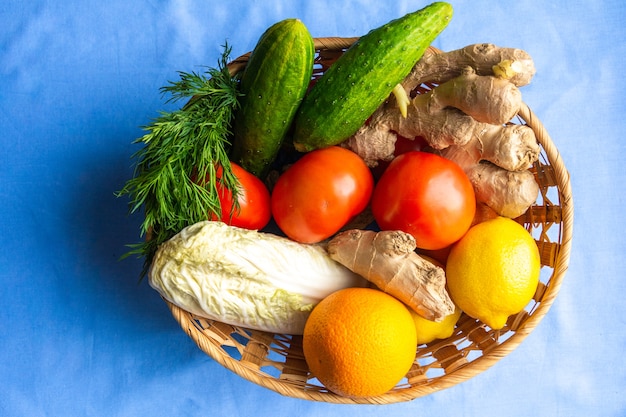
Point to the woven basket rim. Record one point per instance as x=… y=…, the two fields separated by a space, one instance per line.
x=214 y=348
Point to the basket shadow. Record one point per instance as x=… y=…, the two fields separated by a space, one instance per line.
x=104 y=228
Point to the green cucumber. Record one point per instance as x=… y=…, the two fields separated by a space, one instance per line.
x=273 y=85
x=364 y=76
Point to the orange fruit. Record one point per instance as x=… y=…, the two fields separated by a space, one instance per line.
x=359 y=342
x=493 y=271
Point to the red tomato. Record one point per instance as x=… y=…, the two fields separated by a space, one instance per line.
x=427 y=196
x=320 y=193
x=254 y=201
x=404 y=145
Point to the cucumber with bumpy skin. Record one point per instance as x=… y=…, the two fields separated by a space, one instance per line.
x=364 y=76
x=273 y=84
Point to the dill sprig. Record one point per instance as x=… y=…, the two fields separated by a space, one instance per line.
x=176 y=169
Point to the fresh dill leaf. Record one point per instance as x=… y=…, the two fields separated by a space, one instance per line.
x=176 y=170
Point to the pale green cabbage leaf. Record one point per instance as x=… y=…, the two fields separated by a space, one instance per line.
x=246 y=278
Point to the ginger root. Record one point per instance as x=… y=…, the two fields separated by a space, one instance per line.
x=497 y=166
x=469 y=106
x=452 y=127
x=441 y=67
x=466 y=118
x=512 y=147
x=508 y=193
x=486 y=98
x=388 y=260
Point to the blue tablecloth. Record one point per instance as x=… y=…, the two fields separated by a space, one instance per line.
x=80 y=336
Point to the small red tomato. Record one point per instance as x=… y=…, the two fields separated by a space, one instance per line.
x=427 y=196
x=404 y=145
x=320 y=193
x=253 y=197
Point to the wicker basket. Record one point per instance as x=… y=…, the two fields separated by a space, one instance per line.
x=276 y=361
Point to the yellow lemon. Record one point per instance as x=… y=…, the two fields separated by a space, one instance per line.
x=428 y=330
x=493 y=271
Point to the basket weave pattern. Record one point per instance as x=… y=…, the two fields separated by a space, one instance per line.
x=276 y=361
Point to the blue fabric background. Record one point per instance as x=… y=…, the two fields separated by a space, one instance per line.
x=79 y=336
